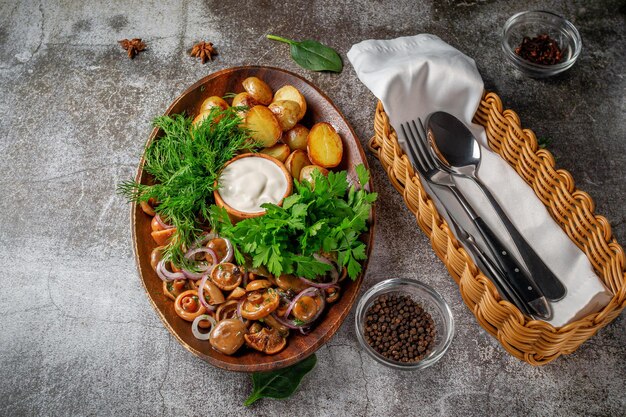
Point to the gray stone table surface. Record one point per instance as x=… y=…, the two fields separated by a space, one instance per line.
x=79 y=336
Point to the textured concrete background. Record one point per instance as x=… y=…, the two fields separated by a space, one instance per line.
x=78 y=334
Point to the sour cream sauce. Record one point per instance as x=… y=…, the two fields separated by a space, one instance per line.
x=248 y=182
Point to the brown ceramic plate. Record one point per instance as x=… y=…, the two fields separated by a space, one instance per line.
x=320 y=108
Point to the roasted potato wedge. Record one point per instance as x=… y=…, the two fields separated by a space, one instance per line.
x=296 y=137
x=289 y=92
x=258 y=89
x=324 y=145
x=244 y=99
x=286 y=112
x=306 y=173
x=213 y=101
x=264 y=127
x=279 y=151
x=296 y=161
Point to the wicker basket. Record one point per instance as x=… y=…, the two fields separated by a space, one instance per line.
x=533 y=341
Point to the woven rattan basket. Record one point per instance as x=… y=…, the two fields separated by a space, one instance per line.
x=535 y=342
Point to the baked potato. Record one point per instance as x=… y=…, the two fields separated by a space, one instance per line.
x=324 y=145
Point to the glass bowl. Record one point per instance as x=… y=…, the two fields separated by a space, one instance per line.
x=431 y=302
x=534 y=23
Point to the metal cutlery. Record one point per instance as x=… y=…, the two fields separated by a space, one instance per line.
x=516 y=278
x=488 y=266
x=458 y=152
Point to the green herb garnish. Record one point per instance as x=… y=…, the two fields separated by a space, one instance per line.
x=279 y=384
x=312 y=55
x=328 y=217
x=185 y=163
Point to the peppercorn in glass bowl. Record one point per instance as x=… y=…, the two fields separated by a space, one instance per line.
x=404 y=324
x=540 y=44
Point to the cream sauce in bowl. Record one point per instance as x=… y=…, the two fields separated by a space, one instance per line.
x=246 y=183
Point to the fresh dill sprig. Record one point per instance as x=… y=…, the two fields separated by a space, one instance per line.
x=185 y=162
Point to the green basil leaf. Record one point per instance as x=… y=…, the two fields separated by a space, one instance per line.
x=279 y=384
x=312 y=55
x=315 y=56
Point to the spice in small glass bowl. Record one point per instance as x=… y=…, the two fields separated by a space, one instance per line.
x=404 y=324
x=541 y=49
x=540 y=44
x=399 y=329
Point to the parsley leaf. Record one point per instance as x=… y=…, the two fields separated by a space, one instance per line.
x=326 y=215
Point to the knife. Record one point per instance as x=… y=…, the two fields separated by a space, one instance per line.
x=516 y=277
x=487 y=265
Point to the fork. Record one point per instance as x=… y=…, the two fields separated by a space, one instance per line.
x=515 y=276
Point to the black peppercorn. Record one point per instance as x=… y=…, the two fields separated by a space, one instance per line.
x=408 y=333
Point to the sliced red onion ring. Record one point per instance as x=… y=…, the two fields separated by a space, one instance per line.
x=229 y=251
x=296 y=298
x=321 y=309
x=334 y=275
x=239 y=304
x=203 y=239
x=320 y=284
x=166 y=275
x=191 y=252
x=201 y=293
x=196 y=331
x=162 y=223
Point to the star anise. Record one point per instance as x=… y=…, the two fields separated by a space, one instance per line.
x=133 y=46
x=204 y=51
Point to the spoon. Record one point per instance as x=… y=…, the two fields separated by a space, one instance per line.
x=459 y=153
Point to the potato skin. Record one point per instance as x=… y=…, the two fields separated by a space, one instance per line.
x=279 y=151
x=258 y=89
x=244 y=99
x=296 y=161
x=286 y=112
x=263 y=126
x=296 y=137
x=289 y=92
x=306 y=173
x=324 y=145
x=213 y=101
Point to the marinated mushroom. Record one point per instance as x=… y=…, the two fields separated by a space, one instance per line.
x=187 y=305
x=274 y=324
x=236 y=294
x=258 y=284
x=260 y=304
x=266 y=340
x=228 y=336
x=155 y=256
x=226 y=276
x=332 y=294
x=227 y=310
x=162 y=237
x=173 y=289
x=290 y=282
x=220 y=247
x=306 y=309
x=147 y=207
x=212 y=294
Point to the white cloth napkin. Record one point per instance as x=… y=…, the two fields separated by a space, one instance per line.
x=417 y=75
